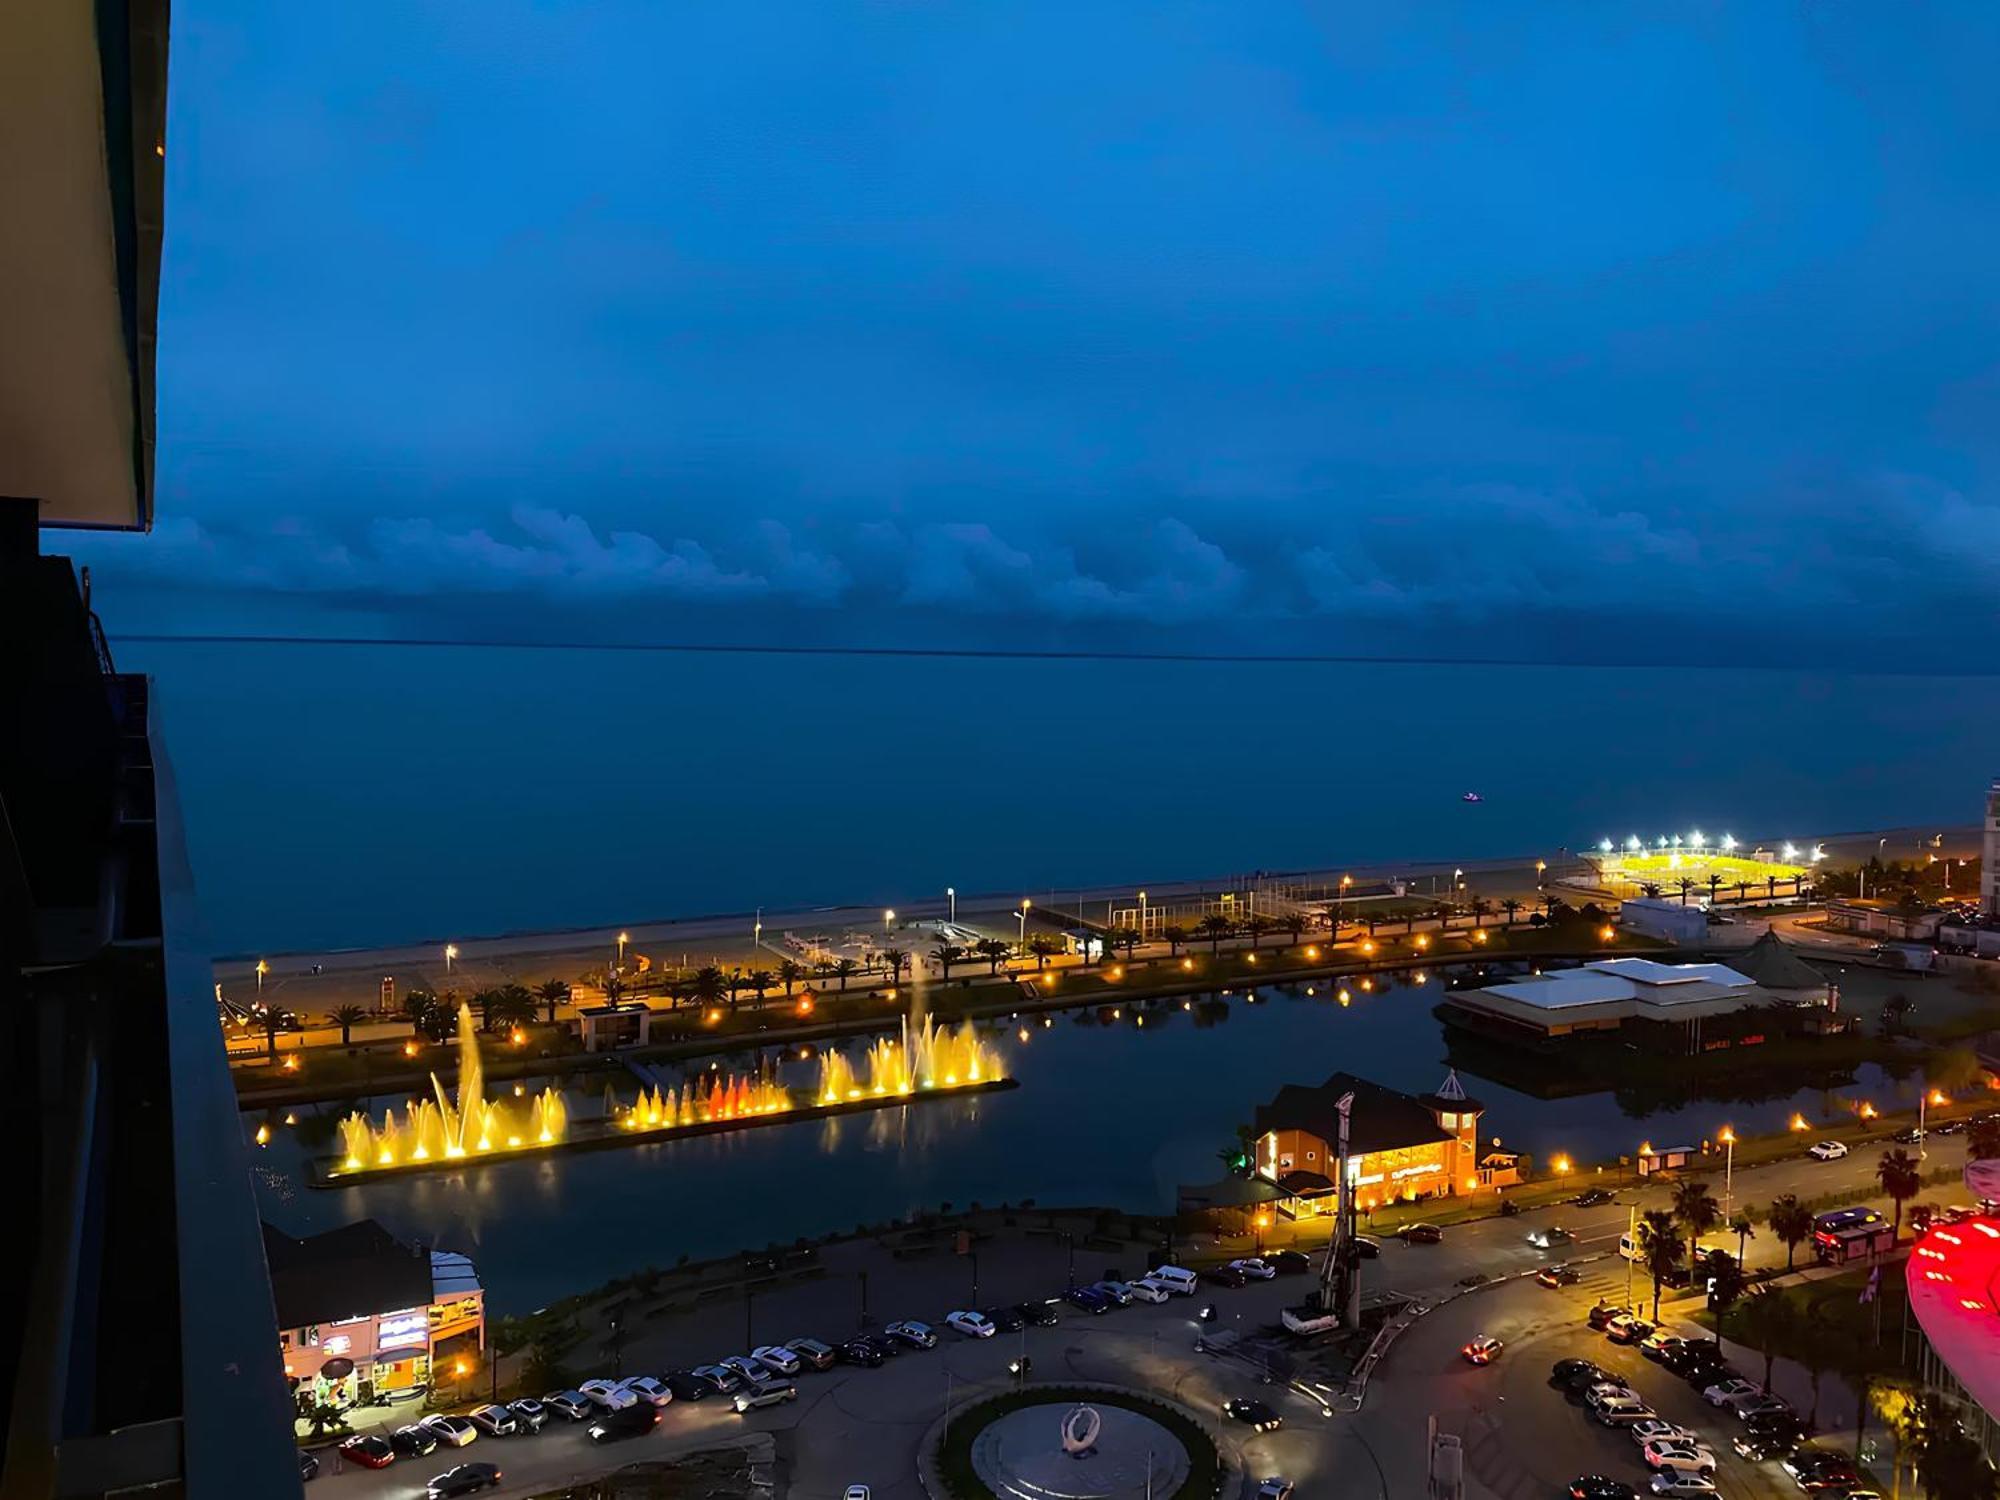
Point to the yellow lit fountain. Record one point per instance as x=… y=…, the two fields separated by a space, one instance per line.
x=930 y=1057
x=439 y=1129
x=702 y=1101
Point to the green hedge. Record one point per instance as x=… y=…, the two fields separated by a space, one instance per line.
x=954 y=1458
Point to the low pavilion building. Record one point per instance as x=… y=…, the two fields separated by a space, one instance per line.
x=1604 y=995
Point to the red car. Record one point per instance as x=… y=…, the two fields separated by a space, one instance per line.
x=369 y=1450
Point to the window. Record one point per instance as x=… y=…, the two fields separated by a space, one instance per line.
x=1450 y=1122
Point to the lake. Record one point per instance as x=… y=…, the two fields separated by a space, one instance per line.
x=1109 y=1111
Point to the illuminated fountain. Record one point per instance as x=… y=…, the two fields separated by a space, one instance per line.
x=442 y=1129
x=927 y=1056
x=700 y=1102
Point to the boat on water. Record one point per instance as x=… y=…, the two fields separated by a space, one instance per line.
x=1472 y=797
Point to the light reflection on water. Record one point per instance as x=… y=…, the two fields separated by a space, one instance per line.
x=1107 y=1113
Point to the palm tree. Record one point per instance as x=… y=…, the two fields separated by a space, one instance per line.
x=1176 y=935
x=842 y=968
x=994 y=951
x=1685 y=885
x=757 y=981
x=1767 y=1320
x=1215 y=927
x=1948 y=1459
x=1744 y=1230
x=1258 y=926
x=710 y=987
x=1742 y=890
x=1045 y=946
x=1294 y=922
x=1481 y=910
x=417 y=1005
x=735 y=984
x=1901 y=1179
x=1770 y=887
x=1127 y=938
x=944 y=955
x=614 y=987
x=517 y=1005
x=1512 y=908
x=1660 y=1250
x=487 y=1003
x=1650 y=889
x=791 y=972
x=271 y=1020
x=895 y=960
x=347 y=1017
x=552 y=992
x=1696 y=1210
x=1714 y=885
x=1792 y=1222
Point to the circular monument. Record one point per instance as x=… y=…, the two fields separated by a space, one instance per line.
x=1078 y=1450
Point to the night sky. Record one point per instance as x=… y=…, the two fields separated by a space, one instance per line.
x=1559 y=331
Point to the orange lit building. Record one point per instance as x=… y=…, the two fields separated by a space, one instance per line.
x=1401 y=1146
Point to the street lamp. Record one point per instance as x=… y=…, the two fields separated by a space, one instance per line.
x=888 y=920
x=1728 y=1139
x=262 y=969
x=623 y=939
x=1142 y=914
x=1025 y=903
x=951 y=895
x=1542 y=869
x=450 y=952
x=757 y=931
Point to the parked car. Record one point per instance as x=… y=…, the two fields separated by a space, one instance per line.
x=369 y=1449
x=607 y=1395
x=1753 y=1407
x=1591 y=1198
x=649 y=1388
x=308 y=1467
x=1658 y=1344
x=1910 y=1135
x=632 y=1421
x=415 y=1441
x=1725 y=1392
x=493 y=1421
x=1704 y=1373
x=1252 y=1414
x=1624 y=1413
x=1603 y=1312
x=1038 y=1314
x=1367 y=1247
x=1661 y=1431
x=1255 y=1267
x=1677 y=1483
x=722 y=1377
x=777 y=1359
x=1565 y=1370
x=1598 y=1487
x=1006 y=1319
x=530 y=1413
x=1827 y=1150
x=1482 y=1350
x=1289 y=1262
x=1225 y=1276
x=812 y=1352
x=859 y=1352
x=1145 y=1289
x=464 y=1479
x=1610 y=1389
x=1549 y=1238
x=1276 y=1487
x=1088 y=1299
x=1119 y=1293
x=1760 y=1443
x=747 y=1369
x=688 y=1386
x=910 y=1331
x=974 y=1325
x=1421 y=1234
x=452 y=1432
x=573 y=1406
x=1680 y=1458
x=1626 y=1329
x=765 y=1393
x=885 y=1346
x=1559 y=1275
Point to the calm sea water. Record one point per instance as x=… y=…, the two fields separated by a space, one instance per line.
x=342 y=796
x=1089 y=1124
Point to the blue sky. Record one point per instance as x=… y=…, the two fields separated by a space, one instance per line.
x=1294 y=327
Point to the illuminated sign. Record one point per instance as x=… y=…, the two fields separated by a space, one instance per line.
x=404 y=1330
x=340 y=1343
x=1401 y=1172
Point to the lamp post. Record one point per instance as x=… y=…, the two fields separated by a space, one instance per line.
x=1142 y=914
x=951 y=896
x=757 y=933
x=623 y=939
x=262 y=969
x=1541 y=871
x=889 y=920
x=1025 y=903
x=450 y=952
x=1728 y=1139
x=1340 y=905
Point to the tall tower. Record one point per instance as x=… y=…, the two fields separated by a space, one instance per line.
x=1989 y=852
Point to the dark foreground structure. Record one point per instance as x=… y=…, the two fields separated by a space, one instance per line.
x=138 y=1348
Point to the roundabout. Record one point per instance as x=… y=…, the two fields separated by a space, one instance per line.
x=1076 y=1443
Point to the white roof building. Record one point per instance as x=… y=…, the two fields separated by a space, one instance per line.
x=1609 y=992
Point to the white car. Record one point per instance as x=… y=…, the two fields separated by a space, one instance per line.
x=1254 y=1268
x=454 y=1432
x=608 y=1395
x=1680 y=1458
x=775 y=1359
x=856 y=1492
x=1681 y=1483
x=1729 y=1392
x=1145 y=1289
x=1663 y=1432
x=972 y=1324
x=646 y=1388
x=1827 y=1150
x=1610 y=1390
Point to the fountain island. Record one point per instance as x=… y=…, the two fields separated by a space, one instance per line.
x=450 y=1133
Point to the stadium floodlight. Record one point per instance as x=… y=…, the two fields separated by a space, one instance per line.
x=1728 y=843
x=1634 y=843
x=1604 y=845
x=1663 y=841
x=1819 y=853
x=1790 y=852
x=1695 y=839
